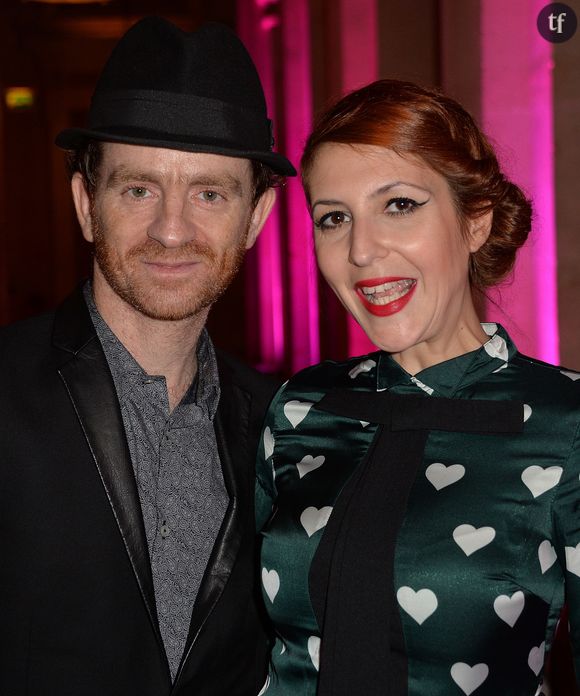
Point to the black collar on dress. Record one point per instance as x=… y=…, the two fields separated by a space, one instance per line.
x=422 y=412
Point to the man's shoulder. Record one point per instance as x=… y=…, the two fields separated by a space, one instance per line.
x=26 y=335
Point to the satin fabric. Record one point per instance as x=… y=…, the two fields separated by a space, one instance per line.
x=488 y=544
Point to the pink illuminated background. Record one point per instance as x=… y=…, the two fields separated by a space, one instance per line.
x=516 y=113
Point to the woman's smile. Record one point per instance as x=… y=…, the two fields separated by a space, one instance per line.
x=385 y=296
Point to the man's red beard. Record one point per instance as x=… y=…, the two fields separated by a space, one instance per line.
x=167 y=299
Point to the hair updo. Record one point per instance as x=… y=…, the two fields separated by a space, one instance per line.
x=409 y=119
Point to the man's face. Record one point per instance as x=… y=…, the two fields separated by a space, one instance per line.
x=170 y=228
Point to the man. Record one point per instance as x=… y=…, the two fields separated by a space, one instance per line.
x=127 y=447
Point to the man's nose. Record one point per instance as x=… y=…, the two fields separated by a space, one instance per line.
x=173 y=225
x=367 y=243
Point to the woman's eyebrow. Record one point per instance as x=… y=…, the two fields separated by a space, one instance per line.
x=378 y=192
x=387 y=187
x=325 y=202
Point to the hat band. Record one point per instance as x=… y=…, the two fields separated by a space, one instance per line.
x=198 y=118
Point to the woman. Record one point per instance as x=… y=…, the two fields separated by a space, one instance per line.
x=420 y=505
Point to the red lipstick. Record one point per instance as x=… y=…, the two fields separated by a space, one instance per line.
x=389 y=308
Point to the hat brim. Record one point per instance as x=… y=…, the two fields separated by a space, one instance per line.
x=73 y=138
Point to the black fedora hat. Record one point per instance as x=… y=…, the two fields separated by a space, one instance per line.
x=198 y=92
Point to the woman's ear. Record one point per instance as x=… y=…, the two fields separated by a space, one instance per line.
x=478 y=231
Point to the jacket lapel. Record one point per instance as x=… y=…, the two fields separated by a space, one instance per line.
x=85 y=373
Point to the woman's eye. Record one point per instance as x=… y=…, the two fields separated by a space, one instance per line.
x=138 y=192
x=332 y=220
x=402 y=206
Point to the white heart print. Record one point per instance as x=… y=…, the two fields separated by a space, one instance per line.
x=268 y=443
x=468 y=678
x=546 y=555
x=527 y=412
x=296 y=411
x=419 y=605
x=509 y=608
x=309 y=463
x=539 y=480
x=536 y=658
x=314 y=651
x=469 y=539
x=364 y=366
x=441 y=476
x=313 y=519
x=573 y=559
x=271 y=582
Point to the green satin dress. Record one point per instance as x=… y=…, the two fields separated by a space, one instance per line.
x=489 y=547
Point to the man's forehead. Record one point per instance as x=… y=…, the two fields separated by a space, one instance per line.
x=170 y=163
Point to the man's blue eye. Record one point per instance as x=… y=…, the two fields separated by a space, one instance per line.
x=138 y=192
x=210 y=195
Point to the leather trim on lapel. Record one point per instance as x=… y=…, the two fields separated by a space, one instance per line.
x=87 y=378
x=231 y=425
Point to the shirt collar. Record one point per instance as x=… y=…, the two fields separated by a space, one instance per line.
x=128 y=374
x=448 y=377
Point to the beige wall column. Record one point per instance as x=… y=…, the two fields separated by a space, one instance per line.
x=567 y=170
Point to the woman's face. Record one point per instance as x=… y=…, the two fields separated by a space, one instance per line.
x=389 y=243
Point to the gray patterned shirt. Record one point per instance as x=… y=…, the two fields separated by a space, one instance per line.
x=178 y=473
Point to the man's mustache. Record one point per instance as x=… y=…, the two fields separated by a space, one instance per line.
x=152 y=251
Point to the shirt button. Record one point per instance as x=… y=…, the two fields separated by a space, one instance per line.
x=164 y=531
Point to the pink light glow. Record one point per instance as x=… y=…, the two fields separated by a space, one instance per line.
x=256 y=19
x=258 y=41
x=302 y=265
x=360 y=65
x=518 y=116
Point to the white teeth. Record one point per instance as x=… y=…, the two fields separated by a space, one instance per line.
x=389 y=292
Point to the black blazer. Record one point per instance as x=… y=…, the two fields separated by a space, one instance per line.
x=77 y=607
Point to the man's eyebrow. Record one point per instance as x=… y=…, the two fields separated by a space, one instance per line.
x=226 y=181
x=123 y=175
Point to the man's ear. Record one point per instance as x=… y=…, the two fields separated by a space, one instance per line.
x=478 y=232
x=260 y=215
x=82 y=203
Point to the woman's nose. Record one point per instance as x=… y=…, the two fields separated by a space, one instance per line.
x=366 y=243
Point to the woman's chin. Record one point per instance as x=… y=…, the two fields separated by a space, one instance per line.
x=389 y=342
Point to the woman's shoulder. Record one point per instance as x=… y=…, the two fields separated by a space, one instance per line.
x=311 y=384
x=553 y=381
x=331 y=374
